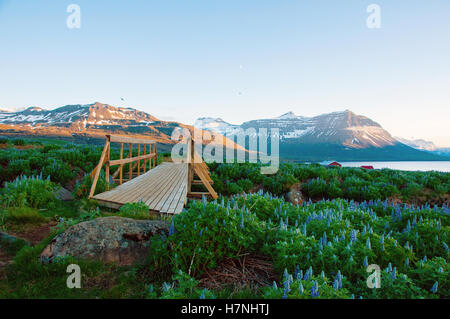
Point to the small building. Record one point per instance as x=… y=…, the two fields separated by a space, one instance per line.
x=367 y=166
x=336 y=164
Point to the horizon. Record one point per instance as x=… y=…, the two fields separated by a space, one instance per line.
x=230 y=60
x=228 y=122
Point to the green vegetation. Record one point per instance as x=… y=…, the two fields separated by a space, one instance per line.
x=319 y=248
x=318 y=182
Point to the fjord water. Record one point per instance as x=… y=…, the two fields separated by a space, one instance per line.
x=441 y=166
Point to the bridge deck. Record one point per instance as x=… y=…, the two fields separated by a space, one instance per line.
x=163 y=189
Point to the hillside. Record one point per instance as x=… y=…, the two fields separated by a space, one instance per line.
x=88 y=121
x=338 y=135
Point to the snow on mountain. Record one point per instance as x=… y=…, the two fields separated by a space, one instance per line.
x=90 y=114
x=288 y=115
x=215 y=124
x=419 y=144
x=345 y=128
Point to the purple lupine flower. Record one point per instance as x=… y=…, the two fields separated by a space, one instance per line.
x=315 y=290
x=394 y=273
x=365 y=262
x=171 y=228
x=300 y=289
x=336 y=284
x=434 y=289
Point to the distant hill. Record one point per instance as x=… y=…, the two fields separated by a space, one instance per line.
x=426 y=146
x=88 y=121
x=419 y=144
x=343 y=136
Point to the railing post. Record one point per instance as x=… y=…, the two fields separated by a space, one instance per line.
x=107 y=167
x=121 y=165
x=145 y=160
x=130 y=173
x=99 y=167
x=139 y=161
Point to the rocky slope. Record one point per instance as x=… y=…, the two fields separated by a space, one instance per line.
x=338 y=135
x=88 y=121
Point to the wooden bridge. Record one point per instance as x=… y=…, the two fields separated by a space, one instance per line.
x=164 y=188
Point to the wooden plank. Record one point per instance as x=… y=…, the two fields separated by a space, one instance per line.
x=166 y=200
x=121 y=189
x=139 y=161
x=130 y=140
x=198 y=182
x=135 y=187
x=179 y=198
x=156 y=196
x=97 y=171
x=100 y=164
x=131 y=159
x=205 y=181
x=107 y=168
x=199 y=194
x=181 y=203
x=145 y=161
x=138 y=186
x=172 y=203
x=130 y=173
x=121 y=165
x=136 y=193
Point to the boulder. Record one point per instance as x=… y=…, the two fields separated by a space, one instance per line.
x=63 y=194
x=295 y=195
x=109 y=239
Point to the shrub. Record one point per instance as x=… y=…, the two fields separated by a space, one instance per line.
x=32 y=191
x=19 y=142
x=82 y=189
x=23 y=215
x=137 y=210
x=204 y=235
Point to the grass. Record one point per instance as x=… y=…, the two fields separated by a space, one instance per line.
x=356 y=223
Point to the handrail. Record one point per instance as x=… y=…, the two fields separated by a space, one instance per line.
x=149 y=159
x=200 y=169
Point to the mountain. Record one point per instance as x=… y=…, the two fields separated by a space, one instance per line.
x=343 y=136
x=83 y=115
x=88 y=121
x=215 y=124
x=419 y=144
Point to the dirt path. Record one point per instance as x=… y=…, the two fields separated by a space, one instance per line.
x=36 y=234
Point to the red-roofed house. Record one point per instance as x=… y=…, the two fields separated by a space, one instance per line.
x=367 y=166
x=335 y=164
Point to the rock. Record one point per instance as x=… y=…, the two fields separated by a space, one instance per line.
x=295 y=195
x=63 y=194
x=10 y=238
x=109 y=239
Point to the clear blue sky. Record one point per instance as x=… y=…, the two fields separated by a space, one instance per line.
x=234 y=59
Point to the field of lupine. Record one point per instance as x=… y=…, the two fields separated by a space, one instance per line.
x=319 y=248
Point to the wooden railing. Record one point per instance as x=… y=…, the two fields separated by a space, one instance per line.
x=196 y=166
x=149 y=159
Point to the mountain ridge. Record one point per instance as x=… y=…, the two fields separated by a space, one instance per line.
x=321 y=137
x=337 y=135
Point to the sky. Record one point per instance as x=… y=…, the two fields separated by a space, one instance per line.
x=234 y=59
